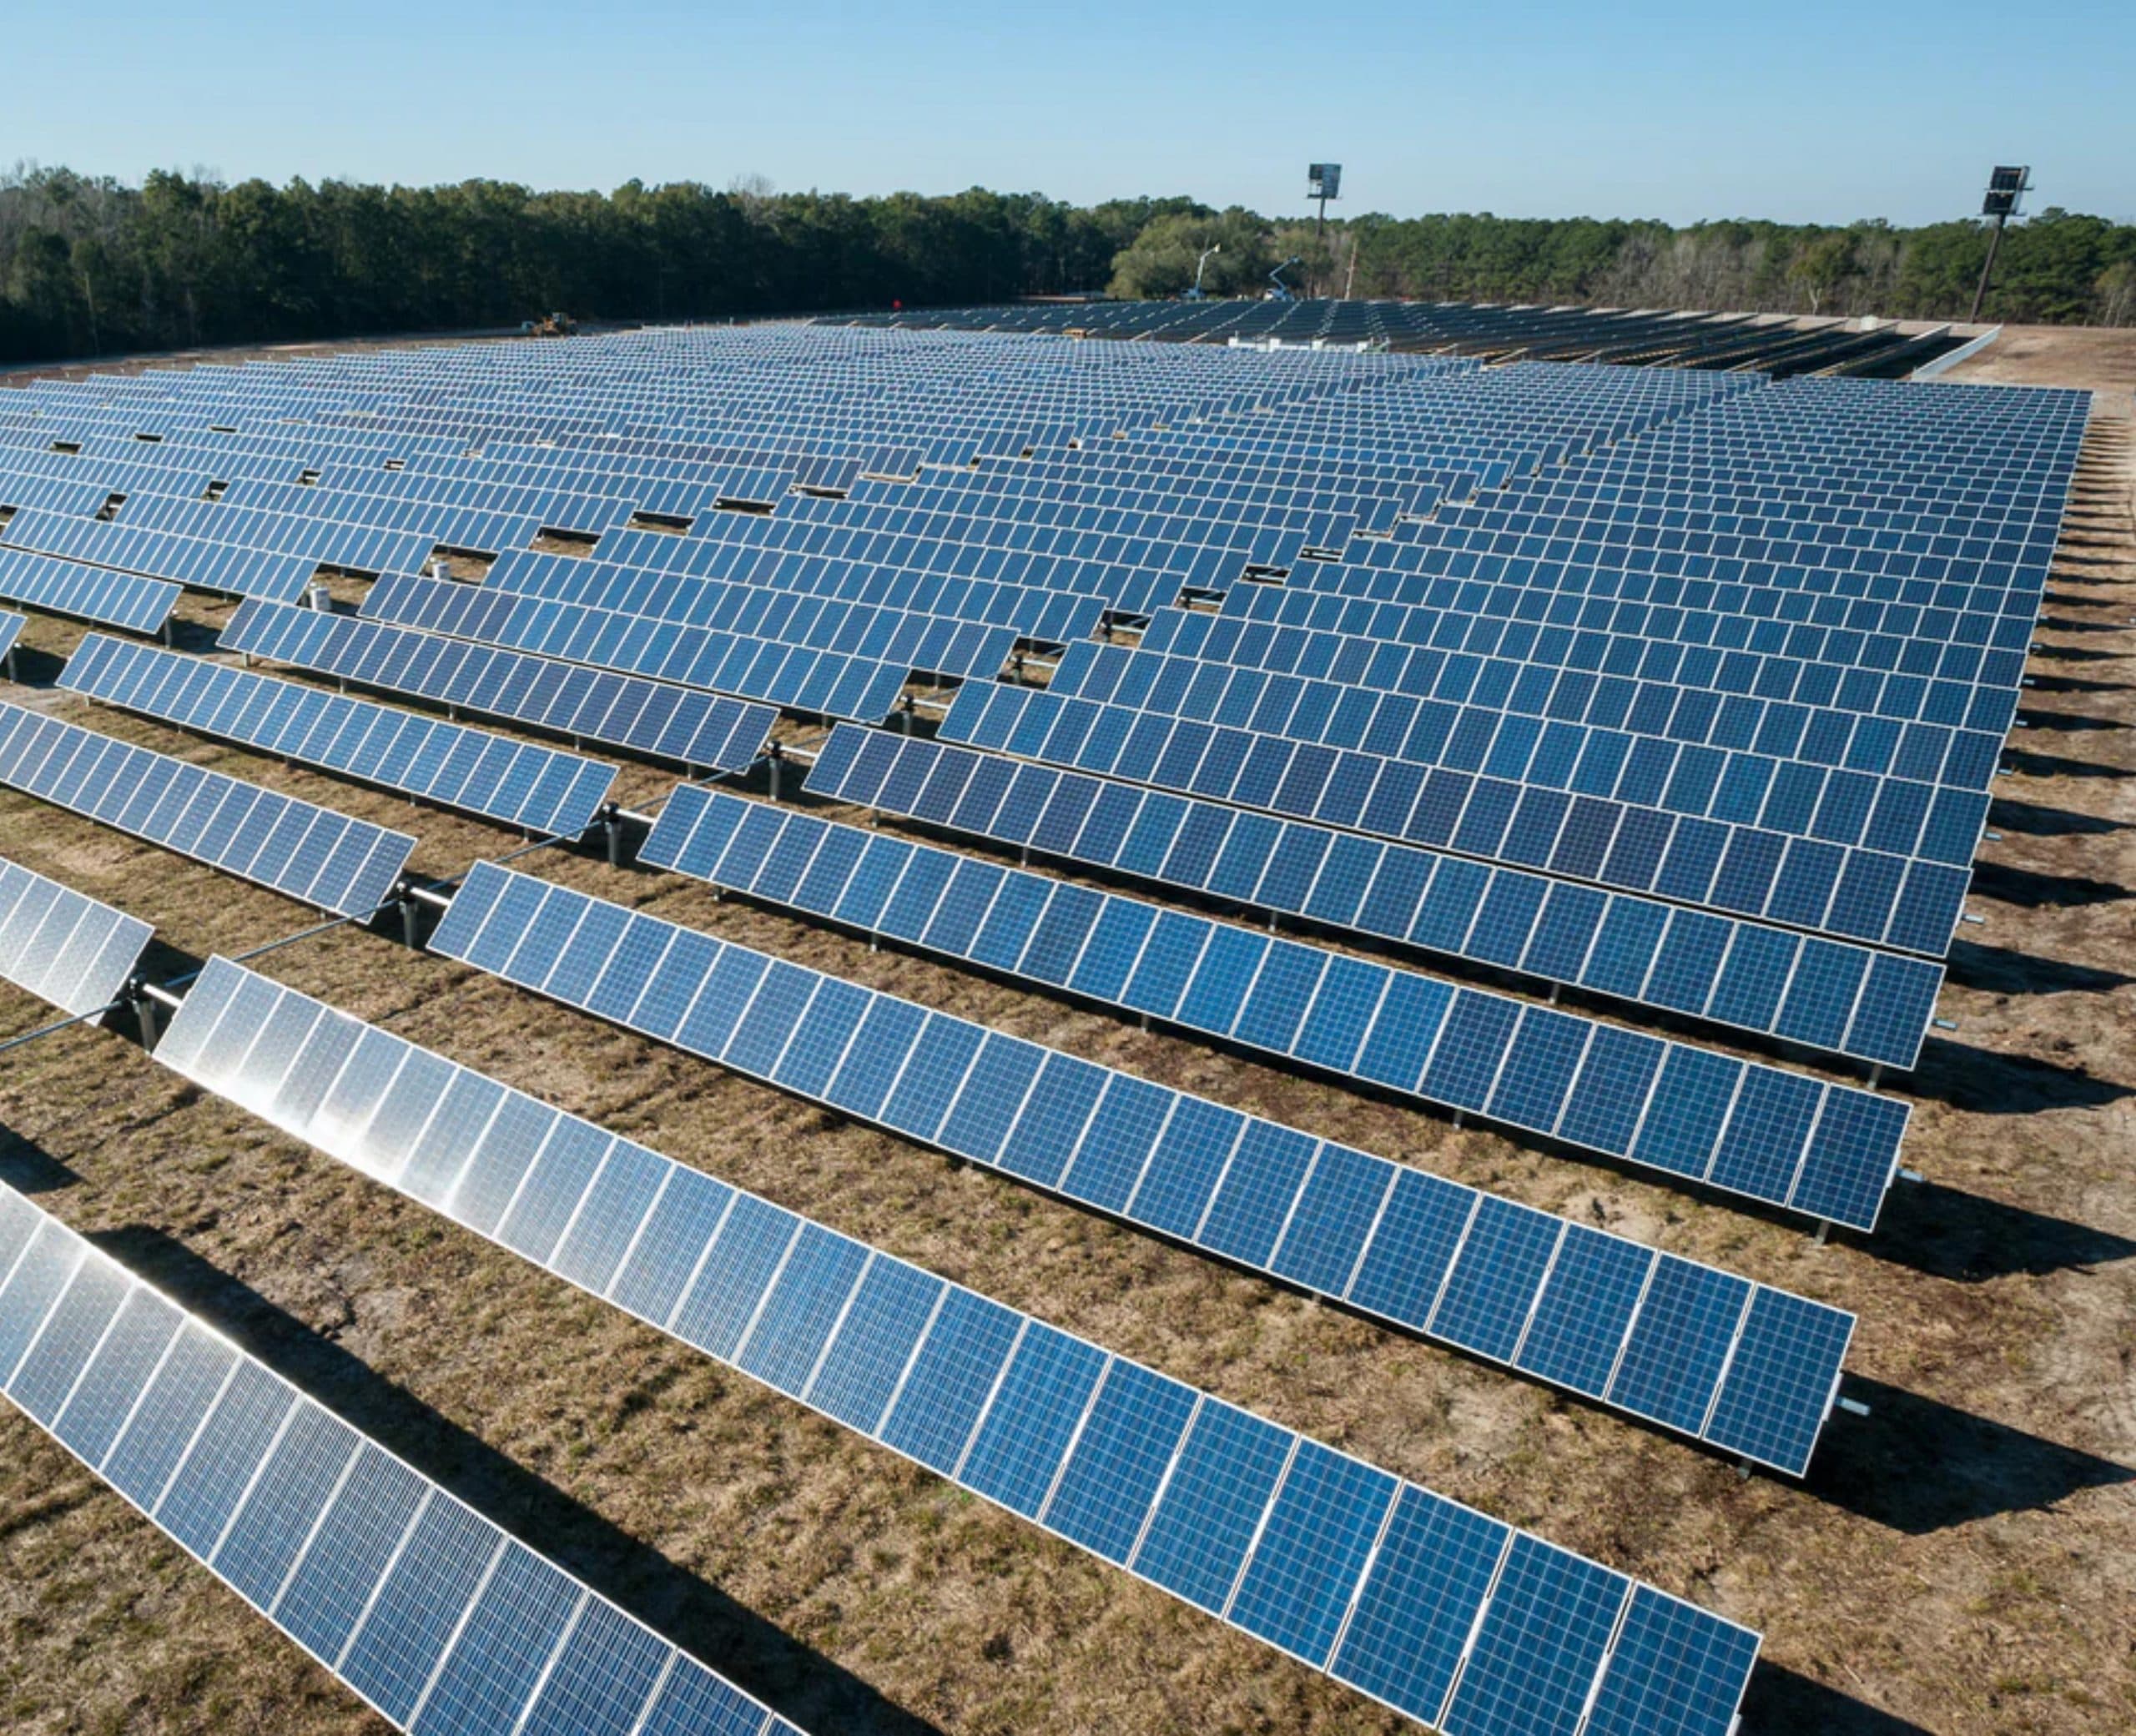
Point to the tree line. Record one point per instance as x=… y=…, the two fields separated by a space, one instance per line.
x=90 y=265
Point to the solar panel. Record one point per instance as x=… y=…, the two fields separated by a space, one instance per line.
x=829 y=683
x=1278 y=1534
x=1319 y=1216
x=436 y=1619
x=1829 y=994
x=1862 y=892
x=551 y=793
x=1692 y=750
x=1776 y=1136
x=88 y=593
x=641 y=717
x=63 y=946
x=11 y=630
x=307 y=852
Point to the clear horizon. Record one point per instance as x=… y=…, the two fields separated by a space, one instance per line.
x=1661 y=109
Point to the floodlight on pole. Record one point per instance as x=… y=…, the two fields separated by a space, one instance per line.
x=1323 y=181
x=2006 y=187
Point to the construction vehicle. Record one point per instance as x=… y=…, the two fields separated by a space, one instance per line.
x=549 y=325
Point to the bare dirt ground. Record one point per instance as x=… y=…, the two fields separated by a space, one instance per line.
x=1963 y=1561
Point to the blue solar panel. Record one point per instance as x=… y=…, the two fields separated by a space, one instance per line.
x=1245 y=1519
x=797 y=677
x=428 y=1611
x=1611 y=943
x=309 y=853
x=89 y=593
x=555 y=794
x=1460 y=1048
x=1476 y=810
x=641 y=716
x=1353 y=1226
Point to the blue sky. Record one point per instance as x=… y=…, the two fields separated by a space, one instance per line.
x=1678 y=111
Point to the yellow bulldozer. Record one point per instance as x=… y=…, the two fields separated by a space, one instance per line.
x=548 y=325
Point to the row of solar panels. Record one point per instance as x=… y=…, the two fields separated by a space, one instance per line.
x=439 y=1620
x=443 y=1624
x=1448 y=1615
x=1826 y=1150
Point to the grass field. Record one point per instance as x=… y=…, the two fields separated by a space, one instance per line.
x=1962 y=1561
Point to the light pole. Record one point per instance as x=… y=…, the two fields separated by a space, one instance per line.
x=2005 y=188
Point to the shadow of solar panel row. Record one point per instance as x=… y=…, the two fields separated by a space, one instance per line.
x=1732 y=656
x=1779 y=1137
x=64 y=947
x=700 y=730
x=1836 y=720
x=904 y=638
x=1857 y=893
x=548 y=792
x=1830 y=995
x=1829 y=775
x=1324 y=1217
x=796 y=678
x=311 y=855
x=439 y=1620
x=156 y=554
x=795 y=583
x=1440 y=1611
x=88 y=593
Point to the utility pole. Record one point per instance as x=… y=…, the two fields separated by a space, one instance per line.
x=2005 y=188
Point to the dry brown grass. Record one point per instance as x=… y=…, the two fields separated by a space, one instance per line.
x=1964 y=1561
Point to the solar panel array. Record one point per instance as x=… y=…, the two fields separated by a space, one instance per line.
x=64 y=947
x=800 y=677
x=1682 y=687
x=1830 y=995
x=1861 y=891
x=1824 y=1150
x=1748 y=1370
x=1450 y=1616
x=88 y=593
x=552 y=794
x=443 y=1621
x=640 y=716
x=307 y=852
